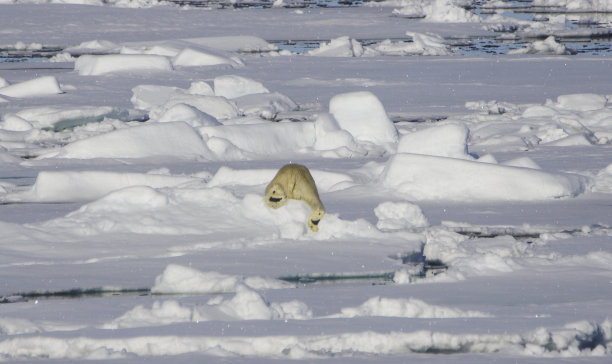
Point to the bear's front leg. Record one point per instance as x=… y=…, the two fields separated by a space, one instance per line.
x=275 y=196
x=314 y=219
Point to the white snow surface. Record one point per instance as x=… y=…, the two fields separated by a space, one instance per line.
x=467 y=198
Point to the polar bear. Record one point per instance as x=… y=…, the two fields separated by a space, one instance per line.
x=293 y=181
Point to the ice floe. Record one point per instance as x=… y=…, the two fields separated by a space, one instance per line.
x=421 y=177
x=41 y=86
x=89 y=65
x=363 y=115
x=175 y=139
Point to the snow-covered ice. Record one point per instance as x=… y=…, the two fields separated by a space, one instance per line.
x=467 y=197
x=40 y=86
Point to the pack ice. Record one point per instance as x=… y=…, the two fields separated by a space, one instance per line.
x=467 y=197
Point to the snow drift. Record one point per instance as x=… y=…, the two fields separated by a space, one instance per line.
x=173 y=139
x=443 y=141
x=72 y=186
x=41 y=86
x=363 y=115
x=421 y=177
x=89 y=65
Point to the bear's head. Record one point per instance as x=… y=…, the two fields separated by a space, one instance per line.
x=275 y=195
x=315 y=218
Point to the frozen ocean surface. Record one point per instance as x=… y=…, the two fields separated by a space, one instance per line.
x=462 y=151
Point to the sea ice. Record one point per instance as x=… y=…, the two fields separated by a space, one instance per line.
x=399 y=215
x=71 y=186
x=446 y=11
x=89 y=65
x=410 y=307
x=423 y=177
x=172 y=139
x=405 y=200
x=577 y=5
x=232 y=86
x=363 y=115
x=581 y=102
x=41 y=86
x=188 y=114
x=264 y=140
x=265 y=105
x=180 y=279
x=448 y=140
x=547 y=46
x=192 y=58
x=339 y=47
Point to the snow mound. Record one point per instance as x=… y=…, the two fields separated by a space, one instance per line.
x=339 y=47
x=566 y=341
x=226 y=176
x=41 y=86
x=89 y=65
x=330 y=136
x=428 y=44
x=270 y=139
x=232 y=86
x=195 y=57
x=17 y=326
x=577 y=5
x=265 y=105
x=422 y=44
x=603 y=180
x=175 y=139
x=437 y=11
x=246 y=304
x=411 y=307
x=443 y=141
x=125 y=201
x=217 y=46
x=288 y=222
x=200 y=88
x=93 y=46
x=159 y=99
x=332 y=227
x=522 y=162
x=60 y=117
x=179 y=279
x=399 y=215
x=12 y=122
x=232 y=43
x=363 y=115
x=547 y=46
x=468 y=257
x=188 y=114
x=422 y=177
x=214 y=212
x=581 y=102
x=74 y=186
x=146 y=97
x=571 y=141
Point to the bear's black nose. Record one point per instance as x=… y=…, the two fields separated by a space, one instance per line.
x=315 y=222
x=275 y=199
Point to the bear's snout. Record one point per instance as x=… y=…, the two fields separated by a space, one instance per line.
x=315 y=222
x=275 y=199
